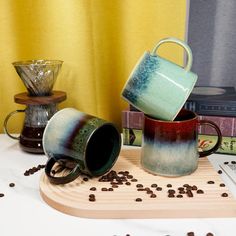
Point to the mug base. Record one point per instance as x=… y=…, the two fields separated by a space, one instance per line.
x=168 y=174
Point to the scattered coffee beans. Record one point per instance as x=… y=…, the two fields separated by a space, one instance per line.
x=32 y=170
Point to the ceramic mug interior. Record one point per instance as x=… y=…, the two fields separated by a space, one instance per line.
x=81 y=142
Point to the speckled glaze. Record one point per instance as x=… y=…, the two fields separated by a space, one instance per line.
x=159 y=87
x=170 y=148
x=71 y=134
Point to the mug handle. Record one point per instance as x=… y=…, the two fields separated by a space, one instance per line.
x=5 y=123
x=181 y=43
x=219 y=135
x=74 y=173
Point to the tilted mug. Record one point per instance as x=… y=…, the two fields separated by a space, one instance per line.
x=158 y=87
x=82 y=142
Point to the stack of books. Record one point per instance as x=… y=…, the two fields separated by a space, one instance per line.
x=217 y=104
x=132 y=125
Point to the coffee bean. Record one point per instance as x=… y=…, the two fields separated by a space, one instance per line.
x=110 y=189
x=200 y=191
x=189 y=193
x=129 y=176
x=219 y=172
x=194 y=187
x=11 y=185
x=139 y=185
x=226 y=162
x=182 y=192
x=1 y=194
x=93 y=189
x=210 y=182
x=190 y=234
x=26 y=173
x=186 y=185
x=138 y=199
x=128 y=183
x=91 y=195
x=209 y=234
x=233 y=162
x=154 y=185
x=171 y=195
x=134 y=180
x=92 y=199
x=189 y=188
x=85 y=179
x=181 y=188
x=179 y=196
x=141 y=189
x=104 y=189
x=153 y=195
x=224 y=194
x=149 y=191
x=169 y=185
x=171 y=191
x=159 y=188
x=115 y=186
x=222 y=185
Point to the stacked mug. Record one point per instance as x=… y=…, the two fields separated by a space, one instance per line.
x=159 y=89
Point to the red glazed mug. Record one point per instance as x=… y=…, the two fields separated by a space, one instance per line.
x=170 y=148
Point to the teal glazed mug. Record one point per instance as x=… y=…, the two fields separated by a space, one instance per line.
x=82 y=143
x=158 y=87
x=170 y=148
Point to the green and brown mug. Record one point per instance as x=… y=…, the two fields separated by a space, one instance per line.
x=82 y=142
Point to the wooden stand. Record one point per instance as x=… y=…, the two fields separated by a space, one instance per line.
x=24 y=98
x=73 y=198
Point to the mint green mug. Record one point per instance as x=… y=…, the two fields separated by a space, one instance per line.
x=158 y=87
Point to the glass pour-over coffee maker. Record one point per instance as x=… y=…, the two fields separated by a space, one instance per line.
x=41 y=101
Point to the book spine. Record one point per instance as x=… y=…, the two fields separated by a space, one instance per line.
x=211 y=108
x=227 y=125
x=132 y=119
x=228 y=145
x=132 y=137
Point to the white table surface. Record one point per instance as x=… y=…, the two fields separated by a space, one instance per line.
x=23 y=212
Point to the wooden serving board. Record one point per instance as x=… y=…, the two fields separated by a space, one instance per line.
x=73 y=198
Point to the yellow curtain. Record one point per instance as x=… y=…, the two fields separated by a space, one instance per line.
x=99 y=41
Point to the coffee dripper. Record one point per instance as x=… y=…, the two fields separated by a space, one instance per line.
x=41 y=101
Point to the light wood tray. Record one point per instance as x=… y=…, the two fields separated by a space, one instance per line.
x=73 y=198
